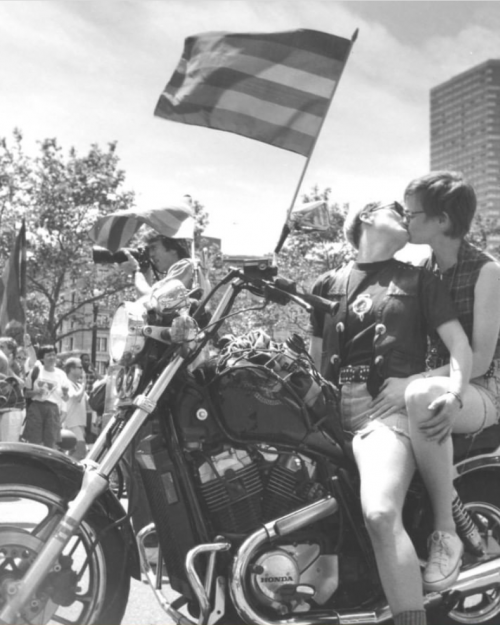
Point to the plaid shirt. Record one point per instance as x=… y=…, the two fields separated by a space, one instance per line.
x=461 y=281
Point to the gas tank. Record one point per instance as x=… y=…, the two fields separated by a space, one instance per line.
x=256 y=404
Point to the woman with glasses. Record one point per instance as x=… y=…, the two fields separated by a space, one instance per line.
x=386 y=310
x=440 y=207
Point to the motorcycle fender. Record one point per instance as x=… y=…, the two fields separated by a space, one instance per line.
x=478 y=463
x=66 y=475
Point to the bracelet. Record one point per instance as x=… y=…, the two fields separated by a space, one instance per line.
x=457 y=397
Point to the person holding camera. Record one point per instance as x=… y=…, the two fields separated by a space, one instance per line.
x=171 y=260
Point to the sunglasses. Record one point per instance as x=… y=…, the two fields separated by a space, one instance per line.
x=394 y=206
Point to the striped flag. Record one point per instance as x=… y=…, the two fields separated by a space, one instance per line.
x=13 y=285
x=310 y=217
x=272 y=87
x=115 y=230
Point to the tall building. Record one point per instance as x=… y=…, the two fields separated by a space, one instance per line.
x=465 y=131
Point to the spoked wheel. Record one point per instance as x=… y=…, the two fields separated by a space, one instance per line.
x=88 y=584
x=481 y=497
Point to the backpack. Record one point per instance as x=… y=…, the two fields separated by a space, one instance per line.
x=33 y=375
x=97 y=396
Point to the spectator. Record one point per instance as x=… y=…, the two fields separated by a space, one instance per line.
x=91 y=376
x=76 y=408
x=47 y=386
x=11 y=419
x=171 y=258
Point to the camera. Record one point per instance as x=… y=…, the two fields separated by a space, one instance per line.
x=102 y=256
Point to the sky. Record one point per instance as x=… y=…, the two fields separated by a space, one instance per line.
x=91 y=71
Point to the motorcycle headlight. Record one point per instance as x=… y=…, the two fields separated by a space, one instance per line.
x=125 y=333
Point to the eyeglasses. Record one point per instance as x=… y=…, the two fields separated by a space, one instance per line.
x=397 y=208
x=410 y=215
x=394 y=206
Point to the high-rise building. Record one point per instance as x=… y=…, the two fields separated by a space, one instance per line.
x=465 y=131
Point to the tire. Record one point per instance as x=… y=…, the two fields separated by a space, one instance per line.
x=92 y=585
x=480 y=493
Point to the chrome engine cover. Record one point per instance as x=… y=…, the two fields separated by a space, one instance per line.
x=283 y=578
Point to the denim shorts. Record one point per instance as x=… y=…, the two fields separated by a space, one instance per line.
x=356 y=417
x=488 y=387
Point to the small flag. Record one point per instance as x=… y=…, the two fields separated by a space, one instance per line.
x=272 y=87
x=13 y=285
x=115 y=230
x=310 y=217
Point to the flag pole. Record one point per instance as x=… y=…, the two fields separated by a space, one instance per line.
x=286 y=228
x=22 y=276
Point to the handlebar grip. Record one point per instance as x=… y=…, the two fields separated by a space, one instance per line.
x=320 y=303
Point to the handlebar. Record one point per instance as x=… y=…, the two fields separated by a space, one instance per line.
x=320 y=303
x=308 y=301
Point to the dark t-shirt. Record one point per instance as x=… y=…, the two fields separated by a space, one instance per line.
x=366 y=288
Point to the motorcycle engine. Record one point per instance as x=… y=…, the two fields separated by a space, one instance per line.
x=288 y=577
x=241 y=491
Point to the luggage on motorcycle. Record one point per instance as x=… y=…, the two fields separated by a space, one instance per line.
x=267 y=393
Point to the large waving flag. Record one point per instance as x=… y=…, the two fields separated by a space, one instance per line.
x=13 y=285
x=115 y=230
x=272 y=87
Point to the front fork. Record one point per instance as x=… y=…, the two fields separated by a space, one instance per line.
x=95 y=482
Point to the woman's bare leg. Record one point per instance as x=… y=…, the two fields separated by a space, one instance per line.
x=386 y=467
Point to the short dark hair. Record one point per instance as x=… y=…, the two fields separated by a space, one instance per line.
x=45 y=349
x=353 y=223
x=181 y=246
x=446 y=192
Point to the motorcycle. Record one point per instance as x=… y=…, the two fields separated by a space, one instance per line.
x=253 y=493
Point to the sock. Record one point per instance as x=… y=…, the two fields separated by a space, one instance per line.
x=413 y=617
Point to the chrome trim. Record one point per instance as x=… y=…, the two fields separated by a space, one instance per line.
x=95 y=482
x=280 y=527
x=151 y=577
x=201 y=590
x=484 y=461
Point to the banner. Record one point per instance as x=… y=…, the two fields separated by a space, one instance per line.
x=271 y=87
x=115 y=230
x=13 y=285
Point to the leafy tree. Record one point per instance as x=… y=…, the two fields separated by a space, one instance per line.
x=60 y=197
x=303 y=258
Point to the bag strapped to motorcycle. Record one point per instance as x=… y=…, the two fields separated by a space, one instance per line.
x=275 y=375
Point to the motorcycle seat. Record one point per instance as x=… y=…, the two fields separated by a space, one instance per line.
x=465 y=445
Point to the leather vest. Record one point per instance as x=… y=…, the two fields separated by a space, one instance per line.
x=400 y=341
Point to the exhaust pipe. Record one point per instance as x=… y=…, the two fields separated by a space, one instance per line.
x=473 y=580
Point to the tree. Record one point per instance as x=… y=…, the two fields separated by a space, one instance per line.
x=60 y=197
x=303 y=258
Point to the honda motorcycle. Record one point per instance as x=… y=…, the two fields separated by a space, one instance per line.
x=253 y=494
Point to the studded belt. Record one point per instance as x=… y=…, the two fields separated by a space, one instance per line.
x=359 y=373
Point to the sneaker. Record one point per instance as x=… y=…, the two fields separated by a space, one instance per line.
x=443 y=565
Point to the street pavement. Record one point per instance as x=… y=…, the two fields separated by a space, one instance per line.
x=143 y=608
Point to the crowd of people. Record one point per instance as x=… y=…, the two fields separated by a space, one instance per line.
x=47 y=396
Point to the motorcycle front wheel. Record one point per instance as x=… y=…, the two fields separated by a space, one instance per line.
x=88 y=585
x=480 y=494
